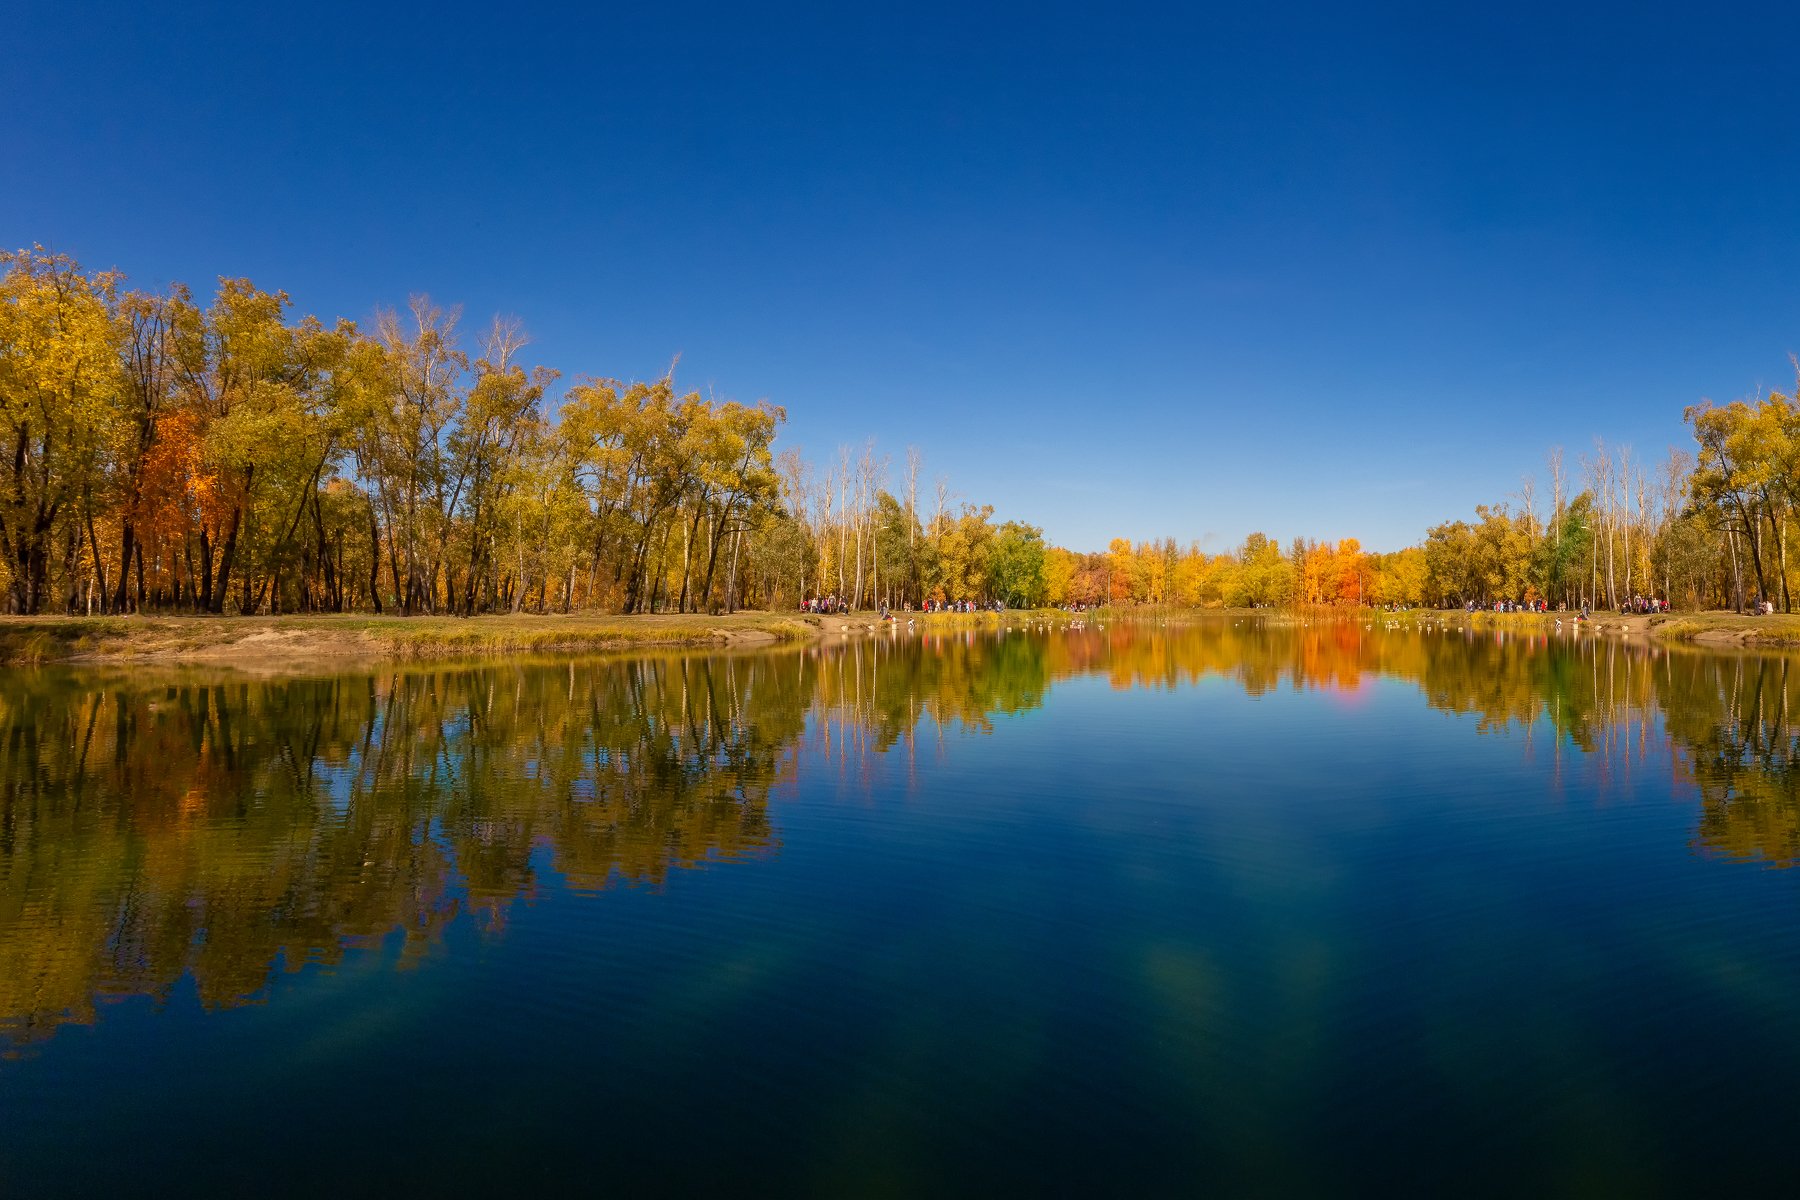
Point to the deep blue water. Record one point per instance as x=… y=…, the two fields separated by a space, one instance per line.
x=1225 y=908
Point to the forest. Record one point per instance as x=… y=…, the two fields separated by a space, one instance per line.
x=165 y=452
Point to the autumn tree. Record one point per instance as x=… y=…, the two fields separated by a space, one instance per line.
x=63 y=419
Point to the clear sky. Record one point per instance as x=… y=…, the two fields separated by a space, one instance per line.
x=1183 y=270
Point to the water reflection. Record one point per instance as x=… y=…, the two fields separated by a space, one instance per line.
x=229 y=829
x=157 y=828
x=1737 y=736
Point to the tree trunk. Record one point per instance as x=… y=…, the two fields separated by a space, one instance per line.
x=206 y=571
x=714 y=540
x=127 y=547
x=737 y=542
x=226 y=556
x=94 y=548
x=1780 y=528
x=687 y=558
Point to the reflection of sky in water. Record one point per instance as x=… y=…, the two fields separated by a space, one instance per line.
x=1458 y=927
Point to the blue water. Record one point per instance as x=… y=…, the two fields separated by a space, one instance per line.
x=1138 y=911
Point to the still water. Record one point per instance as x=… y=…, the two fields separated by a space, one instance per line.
x=1148 y=910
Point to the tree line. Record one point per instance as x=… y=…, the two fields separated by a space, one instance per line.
x=167 y=454
x=160 y=452
x=1706 y=527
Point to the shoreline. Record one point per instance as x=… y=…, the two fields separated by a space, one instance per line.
x=326 y=639
x=1719 y=630
x=265 y=643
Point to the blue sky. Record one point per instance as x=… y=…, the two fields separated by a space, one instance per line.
x=1188 y=271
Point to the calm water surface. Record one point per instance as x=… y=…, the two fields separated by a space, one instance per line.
x=1136 y=910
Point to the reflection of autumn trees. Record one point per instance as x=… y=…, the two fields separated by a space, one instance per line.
x=151 y=829
x=220 y=830
x=1579 y=688
x=1728 y=718
x=887 y=686
x=1733 y=721
x=1743 y=750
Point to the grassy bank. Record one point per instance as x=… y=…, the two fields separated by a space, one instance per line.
x=1727 y=629
x=272 y=641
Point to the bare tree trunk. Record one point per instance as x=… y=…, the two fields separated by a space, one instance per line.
x=737 y=541
x=843 y=518
x=1737 y=574
x=1780 y=527
x=912 y=512
x=856 y=596
x=687 y=559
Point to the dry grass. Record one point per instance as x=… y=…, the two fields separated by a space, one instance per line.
x=1730 y=629
x=266 y=641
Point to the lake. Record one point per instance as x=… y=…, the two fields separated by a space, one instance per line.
x=1237 y=906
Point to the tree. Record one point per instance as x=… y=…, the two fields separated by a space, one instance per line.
x=63 y=416
x=1016 y=566
x=501 y=431
x=248 y=382
x=964 y=549
x=1265 y=577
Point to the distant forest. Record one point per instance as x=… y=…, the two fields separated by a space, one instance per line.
x=164 y=453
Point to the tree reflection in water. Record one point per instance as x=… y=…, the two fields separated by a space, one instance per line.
x=155 y=827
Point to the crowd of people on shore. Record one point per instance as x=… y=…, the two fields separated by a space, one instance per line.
x=1641 y=605
x=959 y=606
x=835 y=605
x=1512 y=606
